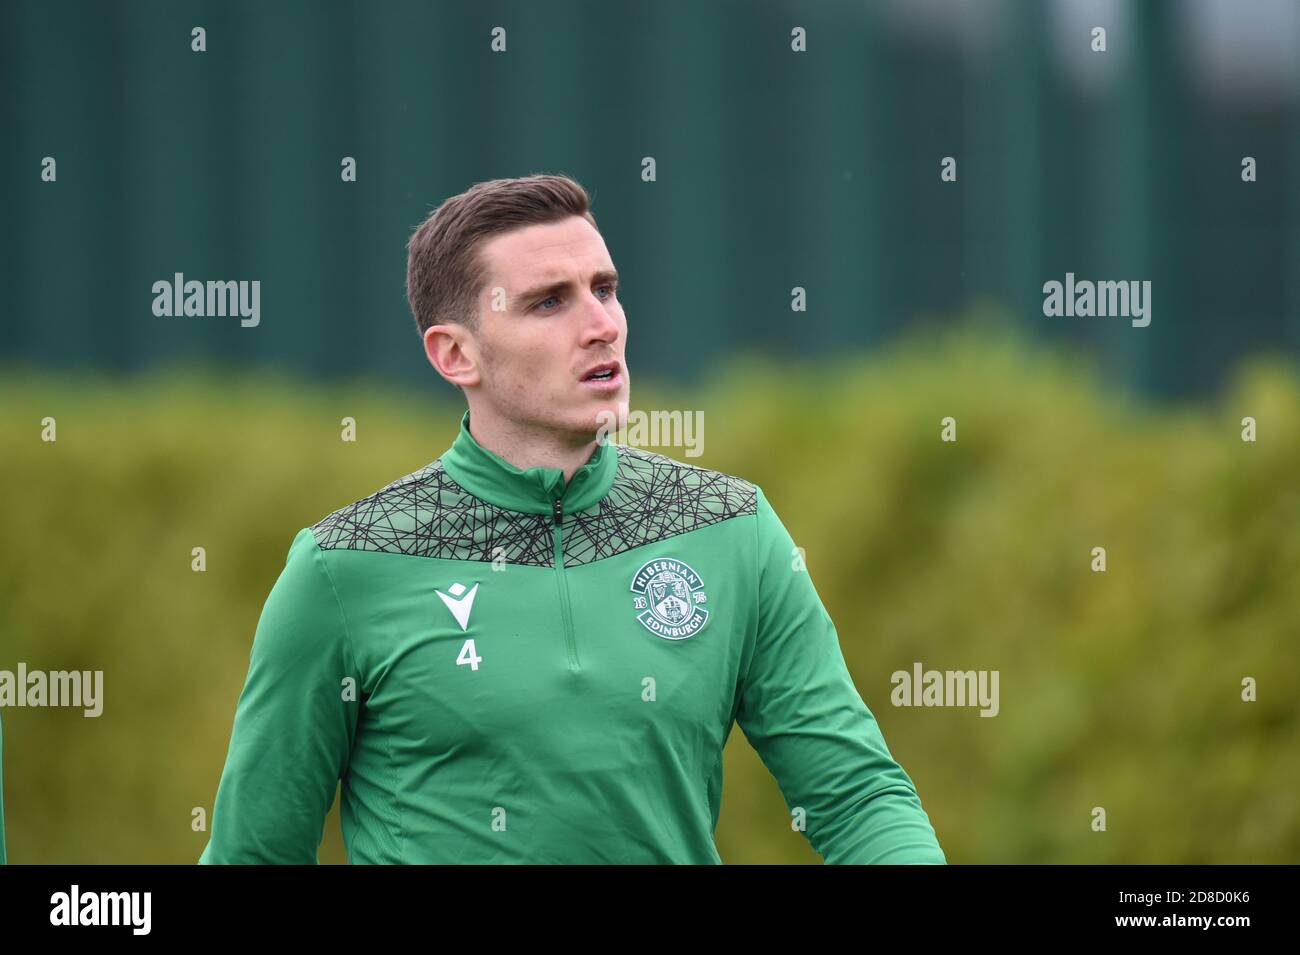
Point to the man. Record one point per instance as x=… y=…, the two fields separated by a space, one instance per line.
x=533 y=648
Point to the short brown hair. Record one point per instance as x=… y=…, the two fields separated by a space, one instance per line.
x=444 y=272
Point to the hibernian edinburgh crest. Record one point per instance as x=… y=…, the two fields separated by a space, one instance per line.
x=669 y=597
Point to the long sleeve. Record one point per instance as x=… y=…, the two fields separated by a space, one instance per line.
x=802 y=713
x=294 y=728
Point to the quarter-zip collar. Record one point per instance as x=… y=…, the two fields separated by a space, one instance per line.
x=530 y=490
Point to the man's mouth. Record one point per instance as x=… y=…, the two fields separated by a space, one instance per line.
x=604 y=373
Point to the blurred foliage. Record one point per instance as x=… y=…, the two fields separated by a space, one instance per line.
x=1119 y=689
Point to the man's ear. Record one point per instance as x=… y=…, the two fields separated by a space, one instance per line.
x=453 y=352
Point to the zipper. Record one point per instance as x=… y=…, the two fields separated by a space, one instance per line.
x=565 y=610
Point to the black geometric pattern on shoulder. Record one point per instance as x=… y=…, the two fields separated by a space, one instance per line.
x=427 y=514
x=653 y=497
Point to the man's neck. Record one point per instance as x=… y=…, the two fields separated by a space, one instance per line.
x=530 y=449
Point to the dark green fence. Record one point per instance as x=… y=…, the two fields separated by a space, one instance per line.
x=774 y=169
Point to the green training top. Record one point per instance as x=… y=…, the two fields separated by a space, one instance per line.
x=500 y=668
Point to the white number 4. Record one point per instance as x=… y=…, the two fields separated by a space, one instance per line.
x=467 y=655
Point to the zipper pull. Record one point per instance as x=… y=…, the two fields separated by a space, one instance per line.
x=559 y=509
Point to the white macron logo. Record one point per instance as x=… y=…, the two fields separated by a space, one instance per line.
x=459 y=605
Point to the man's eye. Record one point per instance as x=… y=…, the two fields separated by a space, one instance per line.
x=613 y=289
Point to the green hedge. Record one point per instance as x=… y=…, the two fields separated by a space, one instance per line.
x=1119 y=689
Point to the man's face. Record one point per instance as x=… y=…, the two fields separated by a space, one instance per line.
x=548 y=315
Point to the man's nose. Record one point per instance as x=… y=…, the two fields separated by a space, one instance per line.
x=601 y=325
